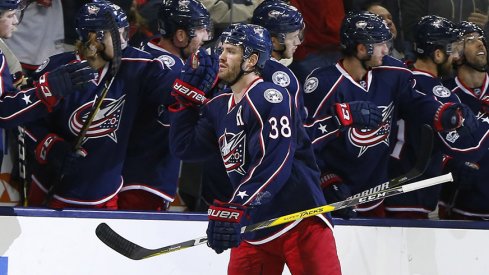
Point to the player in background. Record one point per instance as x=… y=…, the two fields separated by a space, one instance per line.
x=436 y=46
x=92 y=176
x=286 y=26
x=270 y=164
x=150 y=170
x=353 y=106
x=19 y=106
x=467 y=198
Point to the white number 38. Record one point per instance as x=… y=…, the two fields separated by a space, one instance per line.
x=282 y=129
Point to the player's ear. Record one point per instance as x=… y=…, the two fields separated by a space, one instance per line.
x=252 y=60
x=180 y=38
x=361 y=49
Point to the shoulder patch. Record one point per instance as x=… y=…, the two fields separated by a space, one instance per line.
x=167 y=60
x=281 y=78
x=43 y=65
x=273 y=96
x=311 y=85
x=441 y=91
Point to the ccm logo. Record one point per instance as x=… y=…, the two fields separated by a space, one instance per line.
x=223 y=214
x=188 y=92
x=372 y=197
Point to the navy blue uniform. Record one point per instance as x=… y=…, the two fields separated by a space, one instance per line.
x=98 y=177
x=149 y=164
x=472 y=203
x=265 y=150
x=360 y=156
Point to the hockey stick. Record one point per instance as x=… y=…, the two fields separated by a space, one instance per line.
x=115 y=65
x=136 y=252
x=22 y=164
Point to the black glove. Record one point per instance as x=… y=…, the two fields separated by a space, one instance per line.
x=225 y=222
x=464 y=173
x=361 y=114
x=335 y=190
x=451 y=116
x=58 y=155
x=198 y=76
x=61 y=82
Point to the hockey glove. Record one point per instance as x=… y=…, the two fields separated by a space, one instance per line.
x=464 y=173
x=361 y=114
x=64 y=80
x=225 y=222
x=198 y=76
x=451 y=116
x=335 y=190
x=58 y=155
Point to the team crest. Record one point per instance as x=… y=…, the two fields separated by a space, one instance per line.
x=43 y=65
x=281 y=79
x=93 y=10
x=311 y=85
x=452 y=136
x=361 y=25
x=233 y=148
x=273 y=96
x=183 y=4
x=441 y=91
x=167 y=60
x=105 y=123
x=274 y=14
x=365 y=138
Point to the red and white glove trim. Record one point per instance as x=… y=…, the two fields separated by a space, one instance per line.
x=328 y=179
x=343 y=114
x=189 y=92
x=437 y=123
x=43 y=148
x=226 y=212
x=44 y=93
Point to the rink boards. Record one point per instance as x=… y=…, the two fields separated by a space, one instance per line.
x=49 y=242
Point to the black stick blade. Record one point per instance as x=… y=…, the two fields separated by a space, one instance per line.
x=117 y=242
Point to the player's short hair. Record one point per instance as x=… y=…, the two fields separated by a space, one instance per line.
x=252 y=38
x=187 y=15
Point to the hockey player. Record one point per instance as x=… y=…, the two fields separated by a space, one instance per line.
x=268 y=158
x=286 y=26
x=150 y=170
x=436 y=44
x=467 y=198
x=353 y=106
x=29 y=104
x=94 y=180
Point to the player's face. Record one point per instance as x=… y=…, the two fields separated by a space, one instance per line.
x=291 y=42
x=201 y=35
x=230 y=62
x=474 y=50
x=109 y=48
x=379 y=51
x=8 y=20
x=387 y=16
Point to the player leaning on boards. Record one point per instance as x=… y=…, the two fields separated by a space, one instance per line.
x=257 y=130
x=150 y=170
x=353 y=107
x=19 y=106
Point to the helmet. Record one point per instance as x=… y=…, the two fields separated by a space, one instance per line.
x=92 y=18
x=434 y=32
x=278 y=18
x=12 y=4
x=253 y=39
x=469 y=27
x=363 y=28
x=182 y=14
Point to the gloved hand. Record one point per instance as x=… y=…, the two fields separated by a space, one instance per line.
x=464 y=173
x=198 y=76
x=58 y=155
x=225 y=222
x=61 y=82
x=451 y=116
x=334 y=190
x=361 y=114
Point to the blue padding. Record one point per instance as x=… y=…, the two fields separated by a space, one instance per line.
x=3 y=266
x=186 y=216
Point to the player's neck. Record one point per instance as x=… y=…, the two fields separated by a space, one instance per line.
x=168 y=45
x=354 y=68
x=426 y=66
x=470 y=77
x=241 y=87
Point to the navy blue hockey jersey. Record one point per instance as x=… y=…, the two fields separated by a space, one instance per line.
x=266 y=153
